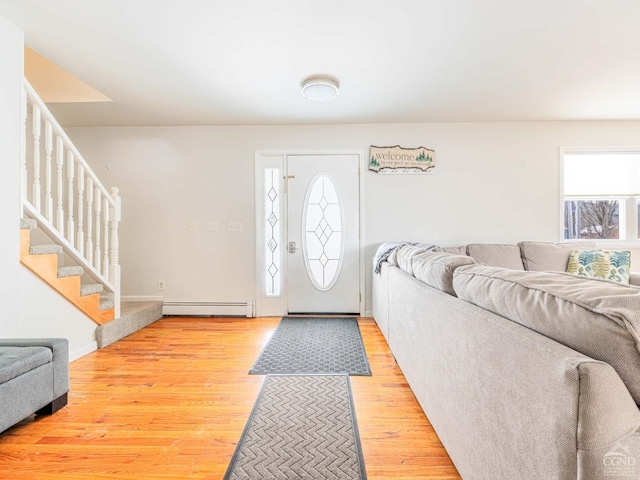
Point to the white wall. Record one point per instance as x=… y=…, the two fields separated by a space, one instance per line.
x=45 y=313
x=11 y=45
x=494 y=182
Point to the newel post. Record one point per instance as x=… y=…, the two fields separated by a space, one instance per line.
x=114 y=255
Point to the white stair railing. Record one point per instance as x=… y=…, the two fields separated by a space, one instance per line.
x=83 y=217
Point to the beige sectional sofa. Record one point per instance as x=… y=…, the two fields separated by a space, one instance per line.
x=524 y=372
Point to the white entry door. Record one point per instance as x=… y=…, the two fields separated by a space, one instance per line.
x=323 y=213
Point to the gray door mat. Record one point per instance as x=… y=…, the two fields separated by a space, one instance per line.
x=301 y=427
x=314 y=345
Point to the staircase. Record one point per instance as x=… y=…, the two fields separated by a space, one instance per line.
x=69 y=220
x=43 y=261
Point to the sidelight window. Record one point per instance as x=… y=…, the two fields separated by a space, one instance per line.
x=272 y=231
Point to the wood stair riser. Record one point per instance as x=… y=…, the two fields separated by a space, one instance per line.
x=46 y=267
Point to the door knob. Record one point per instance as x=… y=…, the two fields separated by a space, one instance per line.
x=292 y=247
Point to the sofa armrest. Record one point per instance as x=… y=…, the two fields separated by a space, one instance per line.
x=60 y=352
x=634 y=279
x=608 y=421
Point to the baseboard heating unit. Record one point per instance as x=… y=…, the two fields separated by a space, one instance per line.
x=208 y=309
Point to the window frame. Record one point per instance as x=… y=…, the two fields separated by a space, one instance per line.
x=629 y=204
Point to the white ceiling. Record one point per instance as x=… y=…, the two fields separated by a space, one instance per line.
x=228 y=62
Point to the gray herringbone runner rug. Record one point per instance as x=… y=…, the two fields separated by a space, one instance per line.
x=314 y=345
x=302 y=427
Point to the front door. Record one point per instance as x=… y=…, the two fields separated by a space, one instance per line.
x=323 y=213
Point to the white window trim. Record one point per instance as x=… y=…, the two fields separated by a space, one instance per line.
x=631 y=214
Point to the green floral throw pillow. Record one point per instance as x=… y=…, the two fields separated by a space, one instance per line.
x=608 y=264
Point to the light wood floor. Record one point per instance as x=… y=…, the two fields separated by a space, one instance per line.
x=170 y=402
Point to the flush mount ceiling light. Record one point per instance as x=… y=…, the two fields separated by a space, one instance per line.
x=320 y=89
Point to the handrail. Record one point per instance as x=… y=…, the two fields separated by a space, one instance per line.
x=69 y=201
x=34 y=98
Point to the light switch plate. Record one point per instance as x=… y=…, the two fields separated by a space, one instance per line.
x=234 y=226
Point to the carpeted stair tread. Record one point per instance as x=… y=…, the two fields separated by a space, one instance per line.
x=28 y=224
x=90 y=289
x=45 y=249
x=142 y=307
x=106 y=303
x=70 y=271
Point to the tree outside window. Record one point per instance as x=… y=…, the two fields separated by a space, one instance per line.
x=592 y=219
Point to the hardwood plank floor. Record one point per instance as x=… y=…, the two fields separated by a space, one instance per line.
x=171 y=401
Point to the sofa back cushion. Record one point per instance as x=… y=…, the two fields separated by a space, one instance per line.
x=436 y=269
x=549 y=257
x=462 y=250
x=496 y=255
x=598 y=318
x=403 y=257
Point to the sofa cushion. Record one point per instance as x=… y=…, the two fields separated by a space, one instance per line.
x=455 y=250
x=549 y=257
x=598 y=318
x=404 y=256
x=436 y=269
x=496 y=255
x=15 y=361
x=606 y=264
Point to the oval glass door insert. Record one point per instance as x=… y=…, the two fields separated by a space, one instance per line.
x=322 y=237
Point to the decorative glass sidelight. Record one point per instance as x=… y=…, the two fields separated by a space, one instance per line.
x=322 y=236
x=272 y=231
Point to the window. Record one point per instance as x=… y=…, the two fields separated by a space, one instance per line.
x=272 y=231
x=596 y=219
x=601 y=196
x=323 y=244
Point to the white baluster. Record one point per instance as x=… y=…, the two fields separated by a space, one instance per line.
x=89 y=251
x=97 y=259
x=80 y=241
x=71 y=234
x=114 y=254
x=105 y=219
x=60 y=192
x=36 y=157
x=23 y=151
x=48 y=150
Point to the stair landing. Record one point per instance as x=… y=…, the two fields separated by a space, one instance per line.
x=133 y=317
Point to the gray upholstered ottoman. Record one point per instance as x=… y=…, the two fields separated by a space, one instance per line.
x=34 y=378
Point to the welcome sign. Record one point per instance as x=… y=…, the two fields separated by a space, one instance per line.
x=401 y=160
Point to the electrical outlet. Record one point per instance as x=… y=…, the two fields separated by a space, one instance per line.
x=193 y=226
x=161 y=285
x=234 y=226
x=212 y=226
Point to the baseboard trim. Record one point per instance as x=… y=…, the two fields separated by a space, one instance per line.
x=368 y=314
x=141 y=298
x=223 y=309
x=82 y=351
